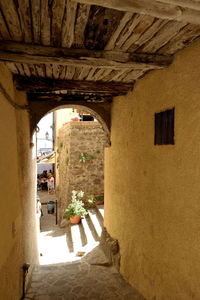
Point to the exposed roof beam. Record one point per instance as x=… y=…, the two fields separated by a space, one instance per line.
x=26 y=53
x=68 y=98
x=193 y=4
x=154 y=8
x=46 y=85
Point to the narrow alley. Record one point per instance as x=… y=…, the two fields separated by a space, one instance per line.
x=72 y=264
x=128 y=74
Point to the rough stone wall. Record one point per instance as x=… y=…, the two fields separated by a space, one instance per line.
x=110 y=248
x=152 y=193
x=76 y=138
x=63 y=147
x=17 y=214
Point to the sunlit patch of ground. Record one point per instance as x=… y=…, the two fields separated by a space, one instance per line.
x=69 y=244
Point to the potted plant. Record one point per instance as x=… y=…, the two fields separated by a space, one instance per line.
x=99 y=200
x=96 y=200
x=75 y=209
x=76 y=119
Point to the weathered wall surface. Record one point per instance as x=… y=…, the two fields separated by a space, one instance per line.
x=76 y=138
x=61 y=116
x=152 y=193
x=17 y=214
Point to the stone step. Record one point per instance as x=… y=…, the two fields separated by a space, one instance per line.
x=100 y=209
x=96 y=221
x=70 y=241
x=87 y=232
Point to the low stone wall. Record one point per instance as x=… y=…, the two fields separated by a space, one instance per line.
x=80 y=161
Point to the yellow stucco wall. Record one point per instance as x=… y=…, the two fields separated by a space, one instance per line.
x=152 y=193
x=17 y=214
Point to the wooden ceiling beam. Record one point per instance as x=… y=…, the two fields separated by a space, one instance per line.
x=46 y=85
x=193 y=4
x=26 y=53
x=163 y=9
x=67 y=97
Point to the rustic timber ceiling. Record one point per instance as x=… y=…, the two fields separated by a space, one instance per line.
x=91 y=50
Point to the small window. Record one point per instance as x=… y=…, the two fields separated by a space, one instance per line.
x=164 y=127
x=87 y=118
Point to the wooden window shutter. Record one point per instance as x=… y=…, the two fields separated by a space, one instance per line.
x=164 y=127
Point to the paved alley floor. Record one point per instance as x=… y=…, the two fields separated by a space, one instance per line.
x=79 y=281
x=72 y=265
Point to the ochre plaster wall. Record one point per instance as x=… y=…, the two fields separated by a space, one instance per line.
x=152 y=193
x=17 y=214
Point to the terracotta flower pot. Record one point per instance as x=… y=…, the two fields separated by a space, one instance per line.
x=99 y=202
x=75 y=220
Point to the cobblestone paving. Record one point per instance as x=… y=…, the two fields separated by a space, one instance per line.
x=81 y=281
x=89 y=278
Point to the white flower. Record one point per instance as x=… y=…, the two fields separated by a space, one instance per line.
x=80 y=194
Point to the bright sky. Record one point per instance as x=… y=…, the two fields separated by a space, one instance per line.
x=45 y=126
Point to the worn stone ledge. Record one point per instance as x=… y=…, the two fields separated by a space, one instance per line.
x=83 y=124
x=110 y=248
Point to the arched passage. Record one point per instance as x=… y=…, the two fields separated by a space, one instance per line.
x=100 y=111
x=71 y=140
